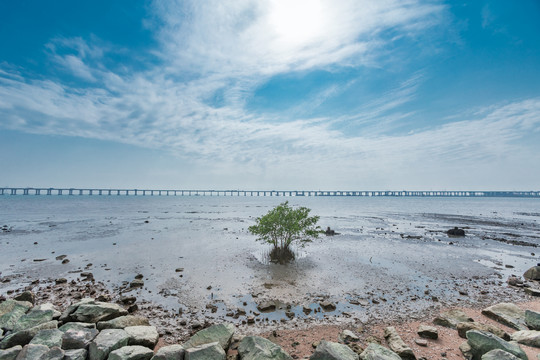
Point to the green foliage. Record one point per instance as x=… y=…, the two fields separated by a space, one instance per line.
x=284 y=225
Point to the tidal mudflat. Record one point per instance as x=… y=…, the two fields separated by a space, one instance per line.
x=391 y=259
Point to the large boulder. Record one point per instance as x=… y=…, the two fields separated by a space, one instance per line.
x=258 y=348
x=463 y=327
x=49 y=337
x=106 y=341
x=533 y=273
x=32 y=352
x=73 y=339
x=142 y=335
x=134 y=352
x=33 y=318
x=76 y=354
x=25 y=336
x=532 y=319
x=527 y=337
x=123 y=322
x=212 y=351
x=451 y=318
x=375 y=351
x=482 y=342
x=10 y=304
x=466 y=350
x=11 y=311
x=97 y=311
x=49 y=306
x=397 y=344
x=76 y=326
x=172 y=352
x=507 y=314
x=327 y=350
x=54 y=353
x=222 y=333
x=498 y=354
x=11 y=353
x=65 y=317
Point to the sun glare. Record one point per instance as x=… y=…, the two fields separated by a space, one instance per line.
x=296 y=22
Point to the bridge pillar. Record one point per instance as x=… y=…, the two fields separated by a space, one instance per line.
x=25 y=191
x=49 y=191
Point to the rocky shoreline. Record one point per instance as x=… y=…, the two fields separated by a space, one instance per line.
x=59 y=319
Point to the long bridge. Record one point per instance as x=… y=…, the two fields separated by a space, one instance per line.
x=153 y=192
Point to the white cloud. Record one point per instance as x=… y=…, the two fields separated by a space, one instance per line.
x=233 y=47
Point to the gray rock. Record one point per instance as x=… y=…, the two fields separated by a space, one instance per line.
x=212 y=351
x=482 y=342
x=54 y=353
x=451 y=318
x=172 y=352
x=98 y=311
x=123 y=322
x=428 y=332
x=533 y=273
x=76 y=326
x=142 y=335
x=73 y=339
x=347 y=336
x=49 y=306
x=498 y=354
x=527 y=337
x=108 y=340
x=25 y=336
x=327 y=306
x=136 y=283
x=258 y=348
x=33 y=318
x=466 y=350
x=222 y=333
x=26 y=296
x=532 y=291
x=463 y=327
x=32 y=352
x=375 y=351
x=267 y=306
x=78 y=354
x=507 y=314
x=532 y=319
x=134 y=352
x=65 y=317
x=10 y=304
x=397 y=345
x=49 y=338
x=11 y=353
x=11 y=311
x=327 y=350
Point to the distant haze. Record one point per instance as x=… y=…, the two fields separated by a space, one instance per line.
x=271 y=94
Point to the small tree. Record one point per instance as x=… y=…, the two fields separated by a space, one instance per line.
x=283 y=226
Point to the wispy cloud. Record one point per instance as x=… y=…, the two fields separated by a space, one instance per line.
x=209 y=47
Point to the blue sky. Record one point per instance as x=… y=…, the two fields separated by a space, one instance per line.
x=271 y=94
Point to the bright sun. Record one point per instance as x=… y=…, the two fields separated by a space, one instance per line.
x=296 y=22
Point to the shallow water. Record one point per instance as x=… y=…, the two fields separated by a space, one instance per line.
x=390 y=251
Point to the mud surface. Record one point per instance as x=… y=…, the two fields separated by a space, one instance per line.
x=392 y=258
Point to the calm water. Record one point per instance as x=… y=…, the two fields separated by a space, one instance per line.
x=384 y=244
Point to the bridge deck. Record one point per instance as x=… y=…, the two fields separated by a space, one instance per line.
x=153 y=192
